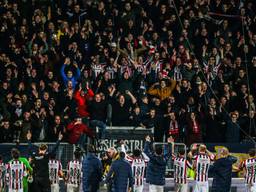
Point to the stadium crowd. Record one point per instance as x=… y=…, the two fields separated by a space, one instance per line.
x=184 y=68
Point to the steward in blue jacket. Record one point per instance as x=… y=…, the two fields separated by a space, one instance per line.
x=156 y=168
x=222 y=172
x=92 y=171
x=120 y=174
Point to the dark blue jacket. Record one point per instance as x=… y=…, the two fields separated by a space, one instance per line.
x=156 y=166
x=121 y=174
x=222 y=174
x=92 y=173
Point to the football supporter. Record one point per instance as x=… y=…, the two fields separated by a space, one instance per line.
x=250 y=171
x=77 y=131
x=138 y=161
x=15 y=171
x=74 y=173
x=55 y=172
x=197 y=52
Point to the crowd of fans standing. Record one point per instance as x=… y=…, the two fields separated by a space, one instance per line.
x=184 y=68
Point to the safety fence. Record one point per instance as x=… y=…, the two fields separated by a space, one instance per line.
x=64 y=152
x=133 y=138
x=177 y=147
x=237 y=185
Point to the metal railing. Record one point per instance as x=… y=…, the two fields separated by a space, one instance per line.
x=64 y=152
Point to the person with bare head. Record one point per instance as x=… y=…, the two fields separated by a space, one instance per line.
x=15 y=181
x=40 y=160
x=222 y=171
x=201 y=164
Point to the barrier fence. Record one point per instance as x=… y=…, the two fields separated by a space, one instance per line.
x=134 y=138
x=64 y=152
x=177 y=147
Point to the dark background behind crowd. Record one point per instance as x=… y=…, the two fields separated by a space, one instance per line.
x=184 y=68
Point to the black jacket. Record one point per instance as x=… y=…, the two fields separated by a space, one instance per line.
x=222 y=170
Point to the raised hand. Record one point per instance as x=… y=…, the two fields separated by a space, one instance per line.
x=60 y=136
x=148 y=138
x=170 y=139
x=29 y=136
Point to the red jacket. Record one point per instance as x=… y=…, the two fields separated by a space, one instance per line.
x=82 y=102
x=76 y=130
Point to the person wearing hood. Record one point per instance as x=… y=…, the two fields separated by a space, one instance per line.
x=222 y=172
x=92 y=171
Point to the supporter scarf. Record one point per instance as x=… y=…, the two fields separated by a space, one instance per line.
x=195 y=127
x=173 y=128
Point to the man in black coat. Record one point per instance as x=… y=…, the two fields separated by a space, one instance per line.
x=98 y=114
x=222 y=172
x=40 y=160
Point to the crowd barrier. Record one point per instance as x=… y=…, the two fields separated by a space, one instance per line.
x=133 y=138
x=237 y=185
x=177 y=147
x=64 y=153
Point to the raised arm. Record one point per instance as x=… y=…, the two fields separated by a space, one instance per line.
x=147 y=149
x=172 y=84
x=171 y=141
x=63 y=74
x=134 y=100
x=90 y=92
x=78 y=72
x=153 y=90
x=57 y=144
